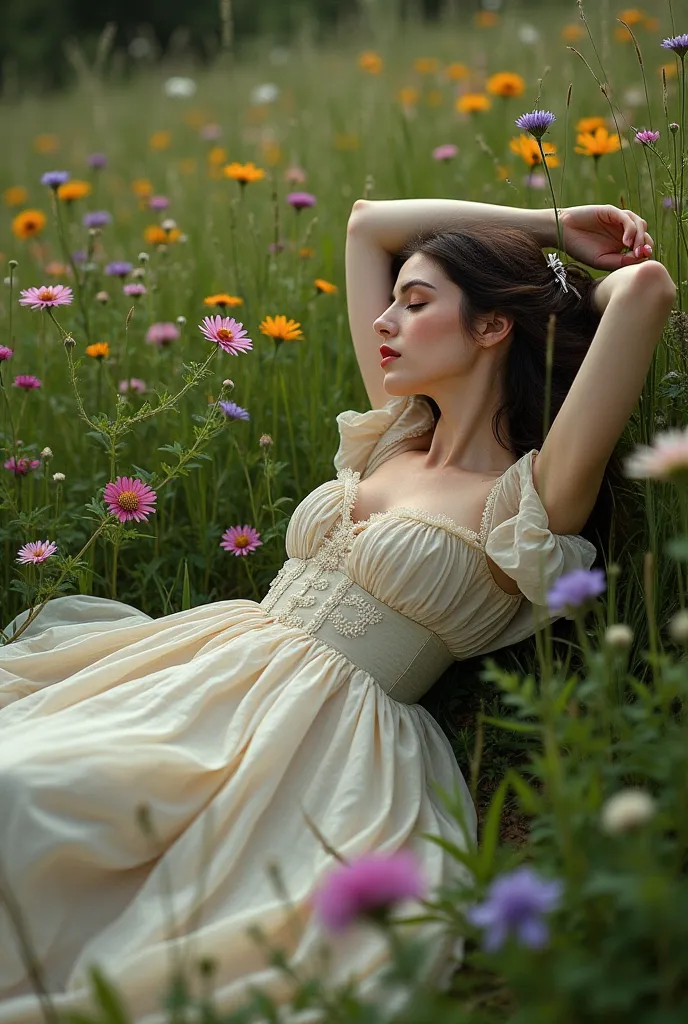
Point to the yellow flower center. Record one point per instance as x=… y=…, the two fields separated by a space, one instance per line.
x=128 y=500
x=46 y=294
x=224 y=334
x=242 y=541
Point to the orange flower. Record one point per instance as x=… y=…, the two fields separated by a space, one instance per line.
x=597 y=143
x=46 y=143
x=345 y=141
x=589 y=124
x=486 y=19
x=527 y=148
x=456 y=71
x=306 y=253
x=100 y=350
x=506 y=83
x=154 y=234
x=142 y=188
x=426 y=65
x=159 y=141
x=28 y=223
x=572 y=33
x=217 y=156
x=74 y=189
x=325 y=286
x=473 y=102
x=243 y=173
x=631 y=15
x=280 y=329
x=371 y=62
x=222 y=299
x=15 y=195
x=408 y=96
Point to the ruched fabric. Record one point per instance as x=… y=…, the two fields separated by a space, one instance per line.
x=237 y=725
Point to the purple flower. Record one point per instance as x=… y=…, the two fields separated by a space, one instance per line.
x=535 y=180
x=300 y=200
x=514 y=906
x=233 y=411
x=446 y=152
x=162 y=334
x=5 y=353
x=80 y=256
x=536 y=122
x=368 y=887
x=575 y=588
x=679 y=44
x=53 y=179
x=158 y=202
x=20 y=467
x=97 y=161
x=134 y=289
x=134 y=384
x=26 y=381
x=119 y=268
x=646 y=136
x=96 y=219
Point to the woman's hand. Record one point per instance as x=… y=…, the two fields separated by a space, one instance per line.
x=596 y=236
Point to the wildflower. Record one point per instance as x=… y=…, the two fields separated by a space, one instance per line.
x=445 y=152
x=265 y=441
x=267 y=92
x=27 y=381
x=134 y=290
x=179 y=87
x=217 y=156
x=536 y=122
x=574 y=589
x=222 y=299
x=233 y=411
x=181 y=320
x=673 y=127
x=535 y=180
x=280 y=329
x=143 y=257
x=227 y=383
x=28 y=223
x=618 y=637
x=57 y=269
x=647 y=137
x=408 y=96
x=515 y=905
x=456 y=71
x=306 y=253
x=72 y=190
x=142 y=188
x=102 y=297
x=97 y=161
x=119 y=268
x=80 y=256
x=162 y=334
x=426 y=65
x=666 y=459
x=129 y=498
x=590 y=124
x=473 y=103
x=506 y=84
x=5 y=353
x=597 y=143
x=46 y=295
x=15 y=195
x=240 y=540
x=528 y=149
x=227 y=333
x=368 y=888
x=679 y=44
x=47 y=453
x=36 y=551
x=46 y=143
x=301 y=200
x=53 y=179
x=631 y=15
x=58 y=477
x=572 y=33
x=99 y=351
x=155 y=234
x=243 y=173
x=325 y=286
x=158 y=202
x=96 y=219
x=210 y=132
x=159 y=141
x=133 y=384
x=20 y=467
x=371 y=62
x=528 y=34
x=626 y=810
x=486 y=19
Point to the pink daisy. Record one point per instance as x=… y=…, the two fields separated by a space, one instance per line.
x=446 y=152
x=46 y=295
x=369 y=886
x=134 y=384
x=227 y=333
x=134 y=289
x=5 y=353
x=666 y=459
x=36 y=551
x=162 y=334
x=129 y=498
x=26 y=381
x=20 y=467
x=241 y=540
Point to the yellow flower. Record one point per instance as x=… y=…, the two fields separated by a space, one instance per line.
x=28 y=223
x=572 y=33
x=160 y=140
x=589 y=124
x=100 y=350
x=456 y=71
x=434 y=98
x=506 y=83
x=631 y=15
x=408 y=96
x=15 y=195
x=345 y=141
x=280 y=329
x=597 y=143
x=142 y=187
x=154 y=234
x=371 y=62
x=527 y=148
x=486 y=19
x=222 y=299
x=217 y=156
x=473 y=102
x=243 y=173
x=325 y=286
x=46 y=143
x=426 y=65
x=72 y=190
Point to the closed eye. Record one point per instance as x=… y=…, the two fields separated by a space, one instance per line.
x=417 y=305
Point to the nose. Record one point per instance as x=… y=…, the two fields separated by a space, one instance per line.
x=385 y=327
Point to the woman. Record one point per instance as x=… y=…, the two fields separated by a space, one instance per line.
x=251 y=730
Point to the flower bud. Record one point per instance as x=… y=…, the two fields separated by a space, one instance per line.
x=228 y=383
x=138 y=273
x=69 y=342
x=102 y=297
x=168 y=224
x=58 y=477
x=619 y=637
x=626 y=810
x=265 y=441
x=143 y=257
x=678 y=627
x=47 y=453
x=673 y=127
x=12 y=264
x=181 y=320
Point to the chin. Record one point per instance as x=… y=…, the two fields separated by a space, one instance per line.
x=399 y=388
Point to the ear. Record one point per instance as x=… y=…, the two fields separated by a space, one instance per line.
x=493 y=327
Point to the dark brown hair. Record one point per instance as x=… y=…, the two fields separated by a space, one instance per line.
x=505 y=269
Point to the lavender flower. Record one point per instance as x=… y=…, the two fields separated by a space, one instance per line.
x=515 y=906
x=158 y=203
x=300 y=200
x=97 y=161
x=96 y=219
x=53 y=179
x=233 y=411
x=575 y=588
x=119 y=268
x=536 y=122
x=80 y=256
x=134 y=290
x=679 y=44
x=445 y=152
x=368 y=887
x=646 y=136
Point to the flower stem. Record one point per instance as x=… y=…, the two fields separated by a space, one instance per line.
x=554 y=199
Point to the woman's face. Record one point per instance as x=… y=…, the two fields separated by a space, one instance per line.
x=423 y=325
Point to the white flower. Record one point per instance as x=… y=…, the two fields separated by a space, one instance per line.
x=58 y=477
x=179 y=87
x=47 y=453
x=634 y=96
x=528 y=34
x=619 y=636
x=678 y=627
x=667 y=456
x=265 y=93
x=626 y=810
x=168 y=224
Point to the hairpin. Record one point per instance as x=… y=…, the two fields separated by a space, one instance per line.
x=560 y=271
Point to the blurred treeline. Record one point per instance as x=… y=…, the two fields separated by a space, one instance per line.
x=36 y=35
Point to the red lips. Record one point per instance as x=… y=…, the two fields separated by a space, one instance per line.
x=385 y=350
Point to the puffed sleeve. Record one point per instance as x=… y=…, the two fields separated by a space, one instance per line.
x=522 y=544
x=367 y=439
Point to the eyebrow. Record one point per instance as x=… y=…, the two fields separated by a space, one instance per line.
x=409 y=284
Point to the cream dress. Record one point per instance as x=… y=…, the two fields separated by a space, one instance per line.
x=233 y=721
